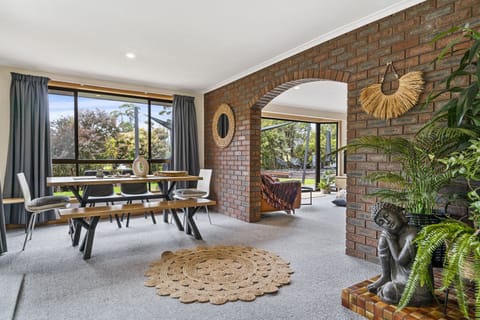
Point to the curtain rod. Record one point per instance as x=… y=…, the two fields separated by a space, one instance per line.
x=78 y=86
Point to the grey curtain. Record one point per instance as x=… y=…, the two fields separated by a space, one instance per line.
x=3 y=232
x=184 y=137
x=29 y=143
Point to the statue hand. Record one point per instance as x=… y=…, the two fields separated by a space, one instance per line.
x=388 y=235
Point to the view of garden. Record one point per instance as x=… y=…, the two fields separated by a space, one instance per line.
x=298 y=150
x=107 y=131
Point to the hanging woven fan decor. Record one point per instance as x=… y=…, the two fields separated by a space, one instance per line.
x=387 y=106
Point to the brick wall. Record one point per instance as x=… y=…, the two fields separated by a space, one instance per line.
x=357 y=58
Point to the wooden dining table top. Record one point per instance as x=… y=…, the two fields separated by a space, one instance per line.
x=92 y=180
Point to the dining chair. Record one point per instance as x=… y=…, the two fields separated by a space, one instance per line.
x=201 y=191
x=132 y=191
x=100 y=193
x=37 y=205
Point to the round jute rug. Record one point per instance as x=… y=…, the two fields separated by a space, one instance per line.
x=218 y=274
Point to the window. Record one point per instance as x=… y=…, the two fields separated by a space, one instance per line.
x=90 y=130
x=299 y=150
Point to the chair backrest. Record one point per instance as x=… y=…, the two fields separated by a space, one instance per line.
x=25 y=188
x=204 y=184
x=133 y=188
x=100 y=190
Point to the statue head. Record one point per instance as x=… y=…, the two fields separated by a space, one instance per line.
x=388 y=216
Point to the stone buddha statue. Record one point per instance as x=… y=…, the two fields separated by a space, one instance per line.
x=396 y=252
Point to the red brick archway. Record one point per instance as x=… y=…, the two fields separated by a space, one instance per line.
x=266 y=95
x=290 y=80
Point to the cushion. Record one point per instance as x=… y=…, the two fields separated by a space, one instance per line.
x=341 y=199
x=189 y=193
x=48 y=202
x=341 y=202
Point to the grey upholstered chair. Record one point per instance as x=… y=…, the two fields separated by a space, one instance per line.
x=201 y=191
x=131 y=191
x=101 y=193
x=37 y=205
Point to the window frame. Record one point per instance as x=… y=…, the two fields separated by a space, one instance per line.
x=78 y=162
x=318 y=151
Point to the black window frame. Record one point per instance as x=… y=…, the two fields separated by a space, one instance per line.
x=318 y=155
x=78 y=162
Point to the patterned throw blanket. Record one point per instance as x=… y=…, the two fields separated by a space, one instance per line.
x=280 y=195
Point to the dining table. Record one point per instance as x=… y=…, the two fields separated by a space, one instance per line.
x=78 y=185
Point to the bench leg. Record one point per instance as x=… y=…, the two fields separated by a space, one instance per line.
x=77 y=230
x=191 y=226
x=165 y=216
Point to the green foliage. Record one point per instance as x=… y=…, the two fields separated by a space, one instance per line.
x=416 y=187
x=283 y=143
x=94 y=129
x=462 y=241
x=325 y=183
x=62 y=138
x=104 y=135
x=463 y=109
x=326 y=180
x=467 y=164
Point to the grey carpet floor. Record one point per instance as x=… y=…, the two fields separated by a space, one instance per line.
x=59 y=284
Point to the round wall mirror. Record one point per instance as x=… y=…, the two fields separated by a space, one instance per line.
x=223 y=125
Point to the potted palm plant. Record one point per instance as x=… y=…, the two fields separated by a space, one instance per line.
x=325 y=183
x=417 y=186
x=463 y=242
x=462 y=260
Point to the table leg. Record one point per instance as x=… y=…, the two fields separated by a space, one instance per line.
x=176 y=219
x=191 y=226
x=76 y=192
x=167 y=197
x=89 y=238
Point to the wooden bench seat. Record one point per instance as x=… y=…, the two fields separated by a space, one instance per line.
x=88 y=217
x=155 y=206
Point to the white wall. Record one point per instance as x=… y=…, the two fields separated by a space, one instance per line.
x=5 y=80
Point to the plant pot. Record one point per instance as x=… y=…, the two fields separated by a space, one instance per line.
x=419 y=220
x=324 y=191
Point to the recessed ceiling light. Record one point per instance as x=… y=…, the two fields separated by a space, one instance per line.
x=130 y=55
x=296 y=87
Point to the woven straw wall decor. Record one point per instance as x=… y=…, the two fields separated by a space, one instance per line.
x=383 y=106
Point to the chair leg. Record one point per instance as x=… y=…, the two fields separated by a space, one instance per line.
x=208 y=214
x=128 y=219
x=33 y=226
x=29 y=229
x=153 y=217
x=119 y=224
x=184 y=210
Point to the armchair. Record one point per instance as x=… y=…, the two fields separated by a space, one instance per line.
x=280 y=196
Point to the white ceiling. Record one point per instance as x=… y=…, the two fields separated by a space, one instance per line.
x=328 y=96
x=185 y=46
